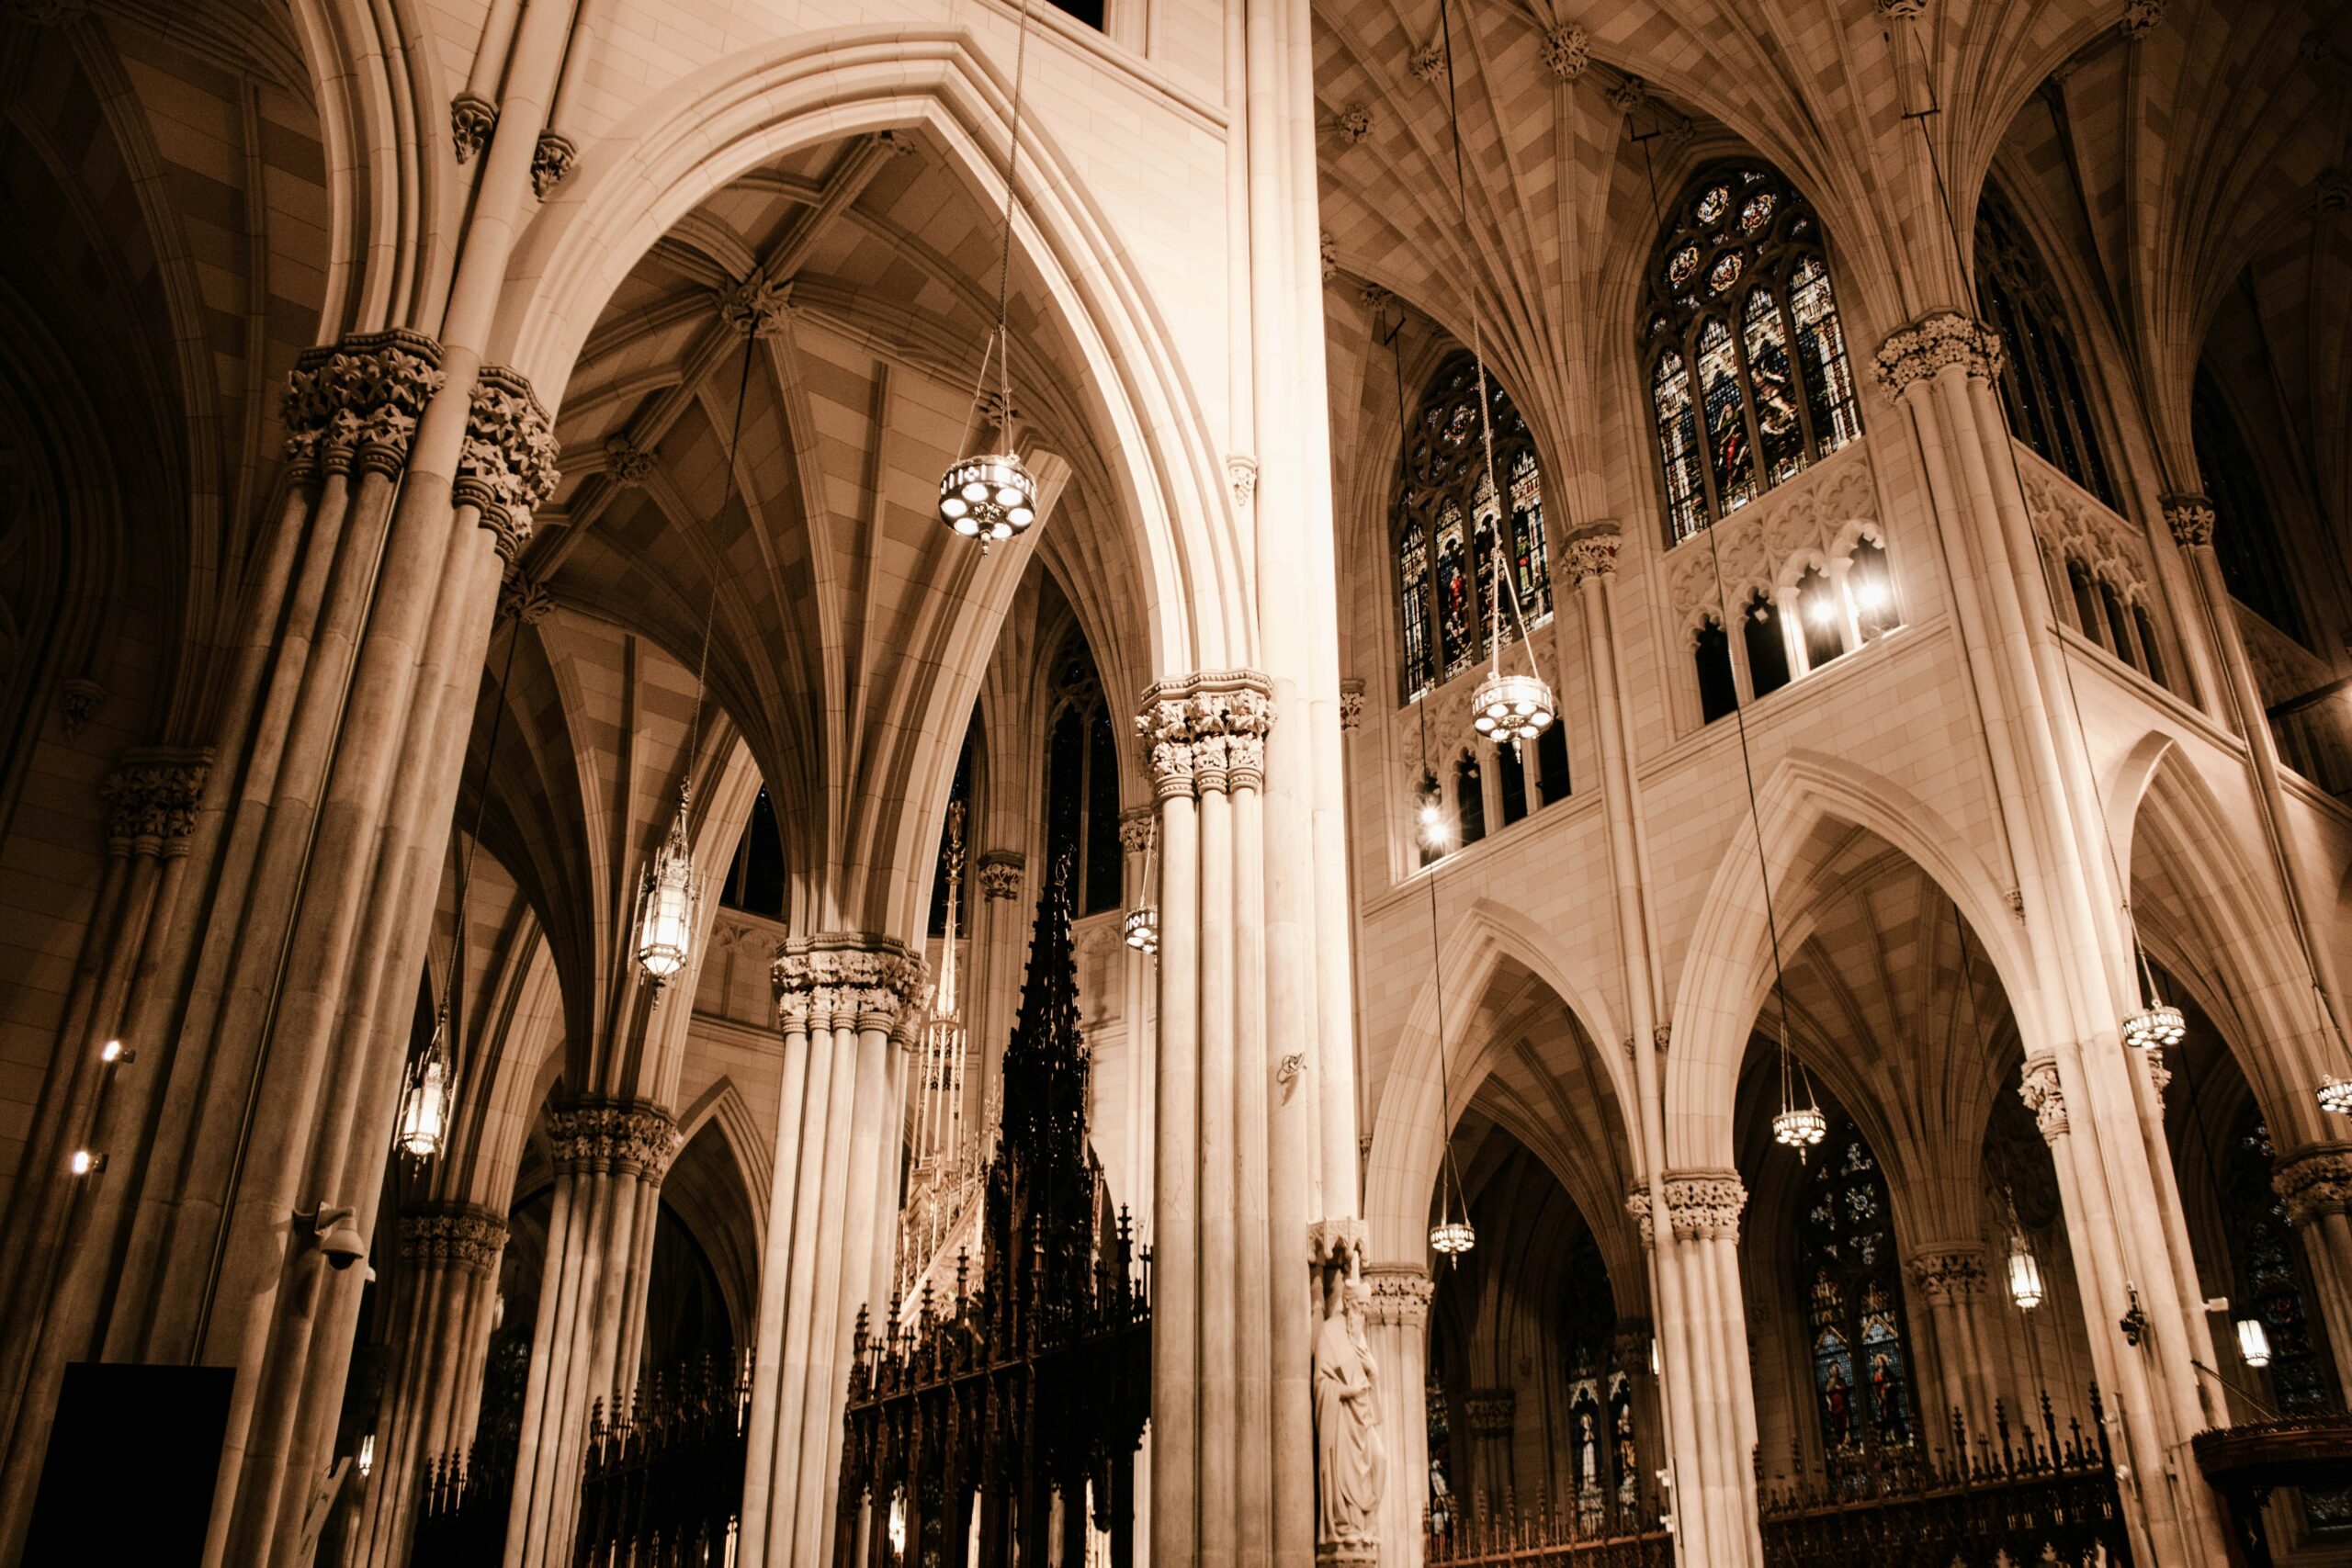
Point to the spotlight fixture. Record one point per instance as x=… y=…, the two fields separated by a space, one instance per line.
x=85 y=1163
x=114 y=1054
x=2254 y=1342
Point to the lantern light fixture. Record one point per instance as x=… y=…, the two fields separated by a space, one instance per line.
x=426 y=1103
x=2254 y=1342
x=2025 y=1273
x=367 y=1456
x=668 y=901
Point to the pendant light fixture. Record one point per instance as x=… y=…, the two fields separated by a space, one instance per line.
x=425 y=1104
x=1141 y=926
x=2024 y=1269
x=1506 y=707
x=669 y=897
x=2254 y=1342
x=2154 y=1025
x=989 y=496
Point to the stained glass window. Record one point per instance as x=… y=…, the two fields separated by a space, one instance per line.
x=1739 y=297
x=2042 y=385
x=1853 y=1301
x=1446 y=520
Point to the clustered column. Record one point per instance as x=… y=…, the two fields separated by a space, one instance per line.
x=1492 y=1415
x=447 y=1289
x=1951 y=1280
x=610 y=1158
x=2315 y=1186
x=843 y=1001
x=1398 y=1327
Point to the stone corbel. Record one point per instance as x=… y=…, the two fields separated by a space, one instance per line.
x=552 y=161
x=2190 y=519
x=471 y=119
x=2038 y=1087
x=999 y=873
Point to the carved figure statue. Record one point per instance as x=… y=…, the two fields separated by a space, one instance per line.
x=1348 y=1461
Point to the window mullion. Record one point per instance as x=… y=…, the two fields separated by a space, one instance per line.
x=1780 y=288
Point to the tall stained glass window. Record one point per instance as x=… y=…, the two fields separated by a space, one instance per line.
x=2042 y=385
x=1853 y=1301
x=1445 y=524
x=1747 y=363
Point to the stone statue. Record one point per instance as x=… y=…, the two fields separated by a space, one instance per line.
x=1348 y=1461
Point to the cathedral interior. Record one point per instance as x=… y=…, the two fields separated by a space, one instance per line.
x=942 y=783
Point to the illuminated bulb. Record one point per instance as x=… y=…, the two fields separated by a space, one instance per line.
x=990 y=498
x=2335 y=1094
x=2254 y=1342
x=84 y=1162
x=111 y=1052
x=1512 y=708
x=1653 y=1356
x=366 y=1453
x=1432 y=820
x=2154 y=1027
x=1871 y=595
x=898 y=1524
x=1820 y=612
x=1800 y=1127
x=2025 y=1275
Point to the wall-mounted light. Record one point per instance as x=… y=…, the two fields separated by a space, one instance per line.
x=114 y=1054
x=1429 y=816
x=86 y=1162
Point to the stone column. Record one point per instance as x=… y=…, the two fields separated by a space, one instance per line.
x=610 y=1157
x=1138 y=836
x=1491 y=1414
x=1949 y=1282
x=1004 y=926
x=444 y=1295
x=2315 y=1185
x=840 y=999
x=1398 y=1321
x=1702 y=1246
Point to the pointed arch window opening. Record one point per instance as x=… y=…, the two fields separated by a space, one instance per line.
x=2040 y=382
x=1748 y=371
x=1082 y=783
x=1851 y=1286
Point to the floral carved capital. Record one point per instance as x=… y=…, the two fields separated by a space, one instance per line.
x=1354 y=124
x=353 y=407
x=464 y=1236
x=2314 y=1182
x=1000 y=873
x=1400 y=1293
x=1490 y=1412
x=760 y=306
x=1136 y=826
x=506 y=467
x=552 y=161
x=842 y=980
x=2190 y=518
x=1350 y=704
x=2038 y=1087
x=1566 y=52
x=634 y=1136
x=1202 y=734
x=1915 y=353
x=152 y=796
x=1949 y=1274
x=626 y=462
x=1591 y=552
x=1706 y=1204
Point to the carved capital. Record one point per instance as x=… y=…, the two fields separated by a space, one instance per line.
x=552 y=160
x=463 y=1236
x=1350 y=704
x=1706 y=1204
x=759 y=305
x=1591 y=552
x=523 y=597
x=1000 y=873
x=1326 y=251
x=1629 y=95
x=506 y=467
x=471 y=119
x=634 y=1136
x=2315 y=1181
x=2190 y=518
x=1915 y=353
x=1631 y=1346
x=1135 y=827
x=1400 y=1294
x=1489 y=1412
x=626 y=462
x=2140 y=17
x=1202 y=734
x=2038 y=1087
x=152 y=796
x=355 y=406
x=841 y=980
x=1566 y=52
x=1949 y=1273
x=1241 y=474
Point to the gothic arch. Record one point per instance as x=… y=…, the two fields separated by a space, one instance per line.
x=719 y=1184
x=1727 y=968
x=1407 y=1141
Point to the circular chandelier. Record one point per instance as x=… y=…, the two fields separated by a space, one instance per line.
x=1800 y=1127
x=1453 y=1237
x=2335 y=1094
x=1510 y=707
x=1141 y=927
x=2155 y=1026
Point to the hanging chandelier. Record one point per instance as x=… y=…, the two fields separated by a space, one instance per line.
x=1453 y=1237
x=1800 y=1127
x=1141 y=926
x=1801 y=1123
x=2025 y=1272
x=990 y=496
x=427 y=1102
x=2335 y=1094
x=2153 y=1025
x=2254 y=1342
x=668 y=900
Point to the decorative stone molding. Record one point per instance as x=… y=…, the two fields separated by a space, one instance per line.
x=1821 y=512
x=153 y=795
x=1136 y=824
x=901 y=143
x=1915 y=353
x=1354 y=124
x=1241 y=474
x=552 y=160
x=634 y=1136
x=77 y=699
x=1706 y=1204
x=2140 y=17
x=841 y=980
x=999 y=874
x=1662 y=1037
x=2315 y=1181
x=1590 y=552
x=506 y=467
x=471 y=119
x=2332 y=192
x=1350 y=704
x=355 y=405
x=759 y=305
x=1949 y=1274
x=2159 y=1075
x=2038 y=1087
x=627 y=463
x=525 y=598
x=1629 y=1346
x=1567 y=52
x=1902 y=10
x=1400 y=1294
x=2190 y=518
x=464 y=1236
x=1629 y=95
x=1206 y=733
x=1338 y=1242
x=1428 y=60
x=1489 y=1412
x=1326 y=251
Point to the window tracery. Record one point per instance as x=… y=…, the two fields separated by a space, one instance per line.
x=1082 y=780
x=1747 y=361
x=2042 y=385
x=2245 y=534
x=1443 y=520
x=1853 y=1301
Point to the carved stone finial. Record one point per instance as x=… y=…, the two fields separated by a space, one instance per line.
x=77 y=699
x=1591 y=552
x=2038 y=1087
x=1241 y=473
x=1567 y=52
x=152 y=796
x=1400 y=1294
x=1354 y=124
x=842 y=980
x=552 y=161
x=463 y=1236
x=2190 y=518
x=634 y=1136
x=1916 y=353
x=1629 y=95
x=999 y=874
x=1206 y=733
x=626 y=462
x=353 y=408
x=2315 y=1181
x=1427 y=62
x=759 y=305
x=471 y=119
x=2140 y=17
x=506 y=466
x=1350 y=704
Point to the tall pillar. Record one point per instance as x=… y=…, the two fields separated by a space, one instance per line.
x=1492 y=1415
x=1950 y=1282
x=842 y=1000
x=1138 y=836
x=1397 y=1328
x=447 y=1289
x=1001 y=943
x=2315 y=1185
x=610 y=1157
